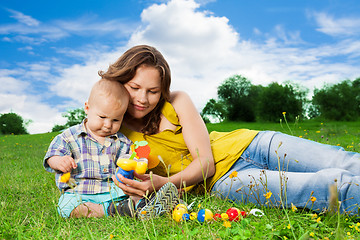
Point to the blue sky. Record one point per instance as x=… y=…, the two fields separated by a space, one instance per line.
x=51 y=51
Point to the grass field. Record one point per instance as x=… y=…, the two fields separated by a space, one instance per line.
x=28 y=199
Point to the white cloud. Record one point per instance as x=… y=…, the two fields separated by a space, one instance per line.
x=347 y=26
x=22 y=18
x=29 y=107
x=31 y=31
x=202 y=50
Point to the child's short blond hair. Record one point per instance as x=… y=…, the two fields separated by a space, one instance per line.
x=105 y=88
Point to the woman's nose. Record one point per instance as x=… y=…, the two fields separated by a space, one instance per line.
x=142 y=97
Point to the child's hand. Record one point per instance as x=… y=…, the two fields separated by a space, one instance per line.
x=62 y=163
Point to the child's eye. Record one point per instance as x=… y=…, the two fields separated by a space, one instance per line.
x=102 y=117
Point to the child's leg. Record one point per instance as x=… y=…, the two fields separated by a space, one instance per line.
x=80 y=205
x=88 y=209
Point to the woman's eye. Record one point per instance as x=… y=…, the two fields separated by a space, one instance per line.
x=153 y=92
x=135 y=88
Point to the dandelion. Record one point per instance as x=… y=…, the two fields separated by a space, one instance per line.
x=227 y=224
x=233 y=174
x=348 y=233
x=312 y=234
x=314 y=216
x=318 y=219
x=317 y=131
x=283 y=113
x=111 y=236
x=65 y=177
x=268 y=195
x=293 y=207
x=288 y=226
x=313 y=199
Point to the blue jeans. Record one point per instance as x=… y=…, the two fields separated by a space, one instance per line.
x=307 y=169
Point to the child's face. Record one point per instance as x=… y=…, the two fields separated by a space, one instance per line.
x=103 y=119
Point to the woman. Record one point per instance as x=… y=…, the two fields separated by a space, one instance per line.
x=243 y=165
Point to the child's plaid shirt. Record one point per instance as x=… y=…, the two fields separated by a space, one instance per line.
x=95 y=162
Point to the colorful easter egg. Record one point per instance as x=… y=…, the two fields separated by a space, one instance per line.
x=234 y=214
x=204 y=215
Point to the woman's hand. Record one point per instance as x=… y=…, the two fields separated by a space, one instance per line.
x=141 y=188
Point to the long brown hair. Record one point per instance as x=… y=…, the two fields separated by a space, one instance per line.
x=124 y=69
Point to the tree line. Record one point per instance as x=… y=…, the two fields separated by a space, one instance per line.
x=239 y=100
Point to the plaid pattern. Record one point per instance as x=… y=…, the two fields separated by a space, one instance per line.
x=96 y=162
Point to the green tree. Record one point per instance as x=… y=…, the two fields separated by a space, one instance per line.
x=74 y=117
x=12 y=123
x=238 y=97
x=215 y=109
x=339 y=101
x=276 y=99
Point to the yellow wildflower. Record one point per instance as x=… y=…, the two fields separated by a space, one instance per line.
x=313 y=199
x=288 y=226
x=348 y=233
x=318 y=219
x=227 y=224
x=312 y=234
x=233 y=174
x=65 y=177
x=143 y=212
x=111 y=236
x=268 y=195
x=293 y=207
x=283 y=113
x=317 y=131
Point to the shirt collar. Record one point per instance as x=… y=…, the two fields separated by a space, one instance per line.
x=82 y=131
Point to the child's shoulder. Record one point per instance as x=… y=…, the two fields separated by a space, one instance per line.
x=71 y=131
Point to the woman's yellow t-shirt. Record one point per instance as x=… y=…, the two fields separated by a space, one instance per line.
x=174 y=155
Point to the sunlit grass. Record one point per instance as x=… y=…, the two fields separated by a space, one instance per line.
x=28 y=198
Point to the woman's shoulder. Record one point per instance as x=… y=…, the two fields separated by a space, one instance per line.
x=179 y=100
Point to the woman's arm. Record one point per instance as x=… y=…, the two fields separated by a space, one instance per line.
x=197 y=141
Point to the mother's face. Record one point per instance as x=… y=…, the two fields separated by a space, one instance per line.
x=144 y=90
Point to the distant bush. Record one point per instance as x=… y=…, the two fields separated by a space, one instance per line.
x=12 y=123
x=339 y=101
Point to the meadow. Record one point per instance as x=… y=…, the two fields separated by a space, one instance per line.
x=28 y=199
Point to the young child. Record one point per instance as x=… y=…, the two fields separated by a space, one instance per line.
x=89 y=152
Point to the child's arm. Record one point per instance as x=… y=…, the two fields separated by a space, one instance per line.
x=62 y=163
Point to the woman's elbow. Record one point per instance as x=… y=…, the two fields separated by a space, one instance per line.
x=211 y=170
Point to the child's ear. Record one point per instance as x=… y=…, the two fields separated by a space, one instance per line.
x=86 y=107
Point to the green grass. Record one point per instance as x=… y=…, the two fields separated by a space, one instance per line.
x=28 y=198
